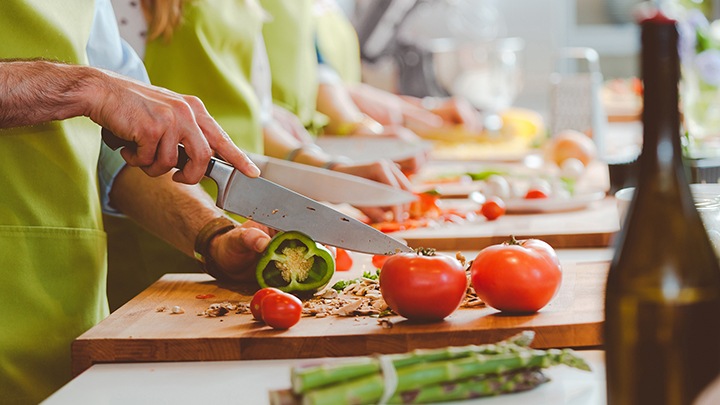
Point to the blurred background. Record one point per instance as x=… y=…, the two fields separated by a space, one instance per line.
x=388 y=28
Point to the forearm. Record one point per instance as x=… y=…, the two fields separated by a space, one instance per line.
x=280 y=144
x=33 y=92
x=172 y=211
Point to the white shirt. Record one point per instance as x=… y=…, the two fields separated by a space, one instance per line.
x=105 y=49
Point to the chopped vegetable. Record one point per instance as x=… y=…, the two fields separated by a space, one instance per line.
x=343 y=260
x=484 y=174
x=293 y=262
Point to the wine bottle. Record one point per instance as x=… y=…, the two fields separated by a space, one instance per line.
x=662 y=305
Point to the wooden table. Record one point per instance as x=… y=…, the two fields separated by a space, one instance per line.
x=138 y=333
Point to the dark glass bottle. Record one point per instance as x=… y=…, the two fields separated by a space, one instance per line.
x=662 y=306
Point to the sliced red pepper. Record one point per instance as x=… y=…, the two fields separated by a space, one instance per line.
x=379 y=260
x=343 y=261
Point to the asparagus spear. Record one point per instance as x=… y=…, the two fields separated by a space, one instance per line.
x=304 y=379
x=369 y=389
x=493 y=384
x=475 y=387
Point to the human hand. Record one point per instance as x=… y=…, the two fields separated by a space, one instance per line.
x=456 y=110
x=391 y=109
x=157 y=120
x=292 y=125
x=237 y=252
x=453 y=112
x=382 y=171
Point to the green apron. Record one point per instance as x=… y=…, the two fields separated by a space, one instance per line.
x=52 y=247
x=290 y=41
x=337 y=41
x=209 y=56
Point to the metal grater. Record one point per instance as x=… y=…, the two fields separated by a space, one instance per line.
x=575 y=97
x=705 y=170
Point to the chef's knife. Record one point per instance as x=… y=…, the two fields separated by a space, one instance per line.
x=333 y=187
x=280 y=208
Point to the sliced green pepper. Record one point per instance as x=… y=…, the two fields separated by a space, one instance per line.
x=293 y=262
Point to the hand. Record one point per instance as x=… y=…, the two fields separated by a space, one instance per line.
x=382 y=171
x=452 y=112
x=238 y=251
x=410 y=164
x=390 y=109
x=457 y=110
x=292 y=125
x=157 y=120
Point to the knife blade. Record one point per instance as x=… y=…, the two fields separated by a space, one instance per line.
x=273 y=205
x=326 y=185
x=279 y=208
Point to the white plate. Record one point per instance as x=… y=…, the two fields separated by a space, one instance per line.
x=363 y=149
x=530 y=205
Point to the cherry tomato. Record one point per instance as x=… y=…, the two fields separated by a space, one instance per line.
x=423 y=288
x=493 y=208
x=258 y=298
x=535 y=193
x=343 y=261
x=379 y=260
x=519 y=276
x=281 y=311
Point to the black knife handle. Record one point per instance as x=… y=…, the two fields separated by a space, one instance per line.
x=114 y=143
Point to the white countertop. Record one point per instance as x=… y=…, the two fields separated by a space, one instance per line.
x=248 y=382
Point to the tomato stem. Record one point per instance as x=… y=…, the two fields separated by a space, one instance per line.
x=513 y=241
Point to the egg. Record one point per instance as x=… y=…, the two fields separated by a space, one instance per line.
x=497 y=186
x=569 y=144
x=572 y=168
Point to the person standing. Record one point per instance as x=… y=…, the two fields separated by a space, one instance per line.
x=52 y=243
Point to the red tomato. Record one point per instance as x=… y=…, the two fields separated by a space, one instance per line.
x=424 y=288
x=493 y=208
x=281 y=311
x=343 y=261
x=535 y=193
x=258 y=298
x=379 y=260
x=520 y=276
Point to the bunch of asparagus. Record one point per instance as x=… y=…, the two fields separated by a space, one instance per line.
x=430 y=375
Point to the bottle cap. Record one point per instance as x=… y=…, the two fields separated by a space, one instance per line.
x=649 y=13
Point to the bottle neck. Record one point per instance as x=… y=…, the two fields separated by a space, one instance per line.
x=662 y=153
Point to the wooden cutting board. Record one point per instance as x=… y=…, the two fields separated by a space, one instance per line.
x=138 y=333
x=593 y=226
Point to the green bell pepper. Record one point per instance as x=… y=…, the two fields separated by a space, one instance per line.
x=293 y=262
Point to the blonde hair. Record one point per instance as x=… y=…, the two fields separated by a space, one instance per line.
x=162 y=17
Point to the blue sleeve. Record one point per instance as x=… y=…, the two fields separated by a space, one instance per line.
x=107 y=50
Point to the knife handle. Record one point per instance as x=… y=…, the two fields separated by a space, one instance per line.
x=114 y=143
